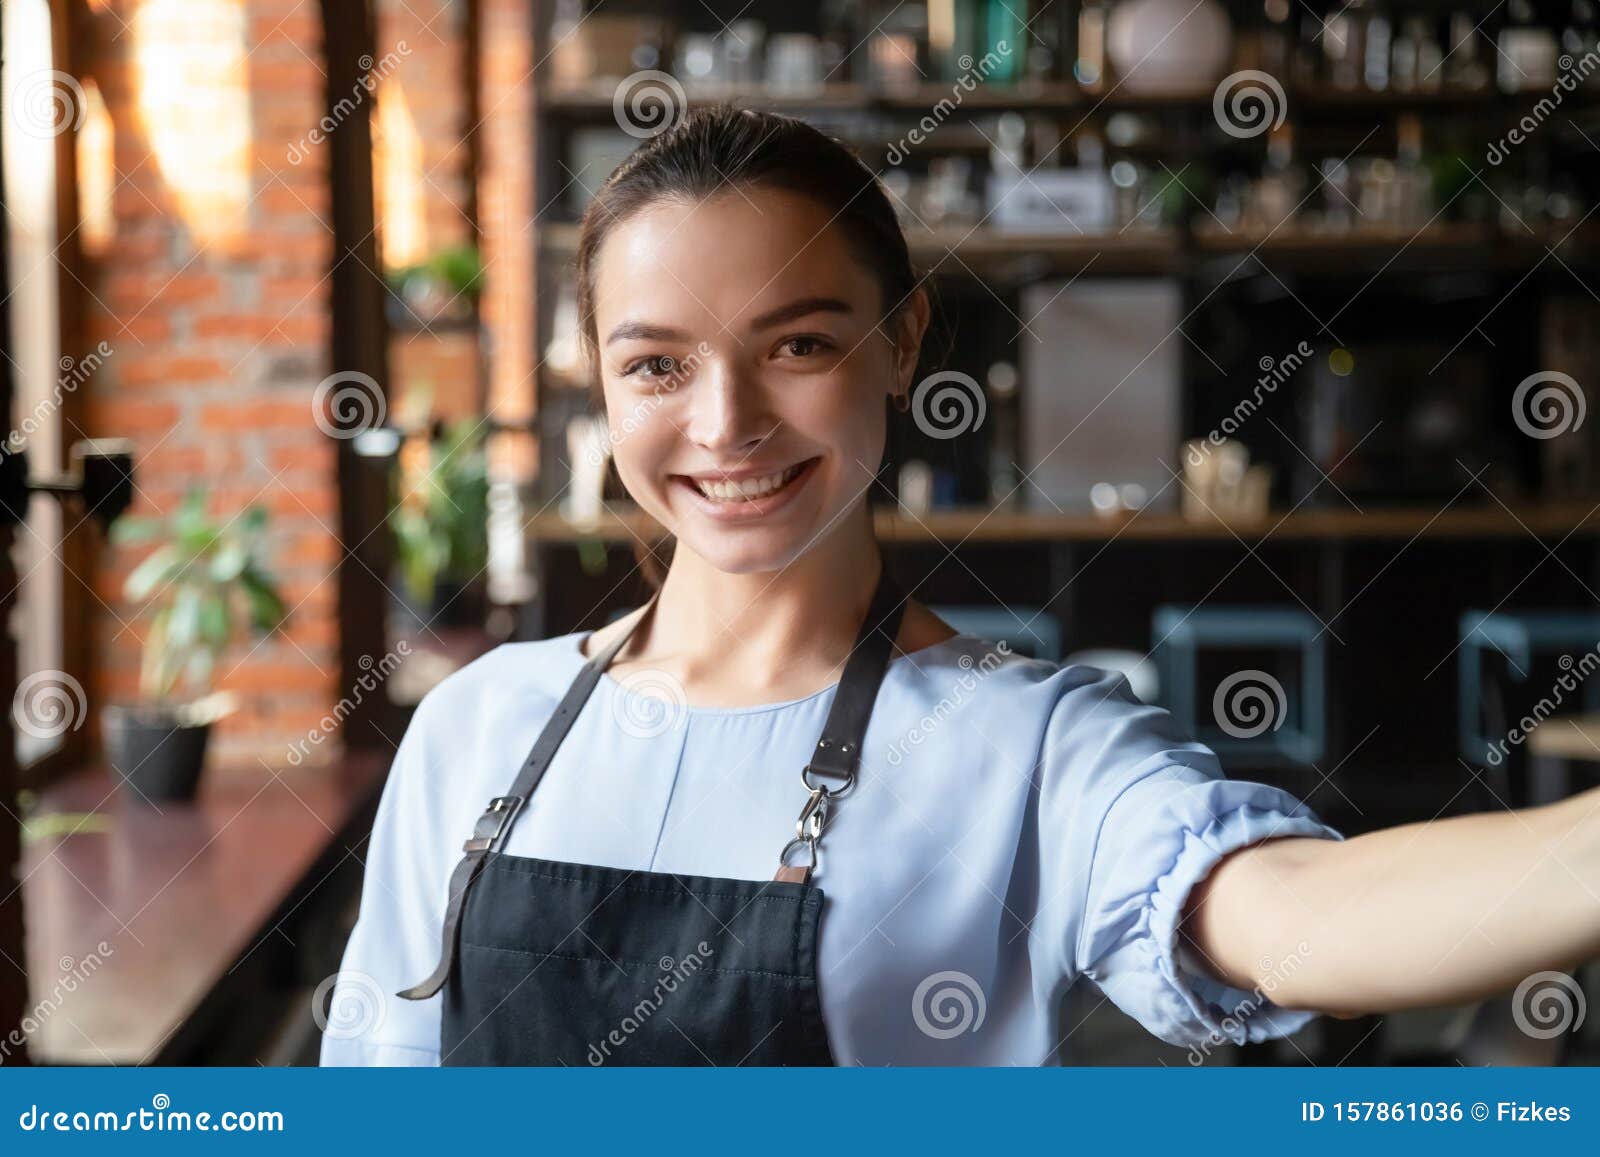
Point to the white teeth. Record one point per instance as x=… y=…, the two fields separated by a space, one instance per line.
x=747 y=489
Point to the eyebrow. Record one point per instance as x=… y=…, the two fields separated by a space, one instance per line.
x=805 y=306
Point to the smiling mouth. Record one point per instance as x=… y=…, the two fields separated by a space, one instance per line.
x=748 y=489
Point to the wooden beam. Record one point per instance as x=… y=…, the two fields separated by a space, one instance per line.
x=13 y=961
x=359 y=344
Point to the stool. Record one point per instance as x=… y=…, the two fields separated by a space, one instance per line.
x=1028 y=631
x=1285 y=734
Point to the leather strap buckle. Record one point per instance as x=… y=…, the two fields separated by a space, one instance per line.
x=492 y=824
x=811 y=769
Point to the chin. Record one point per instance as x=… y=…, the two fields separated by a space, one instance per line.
x=745 y=552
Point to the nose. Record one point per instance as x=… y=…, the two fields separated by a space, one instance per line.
x=728 y=410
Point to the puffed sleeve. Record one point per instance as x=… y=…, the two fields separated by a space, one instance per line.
x=395 y=942
x=1154 y=815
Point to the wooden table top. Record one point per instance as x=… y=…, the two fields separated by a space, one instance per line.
x=1567 y=737
x=132 y=918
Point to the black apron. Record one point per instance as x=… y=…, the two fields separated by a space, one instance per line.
x=549 y=963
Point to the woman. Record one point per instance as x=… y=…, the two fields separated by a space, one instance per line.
x=853 y=835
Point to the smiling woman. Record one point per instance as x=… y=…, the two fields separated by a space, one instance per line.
x=748 y=302
x=757 y=256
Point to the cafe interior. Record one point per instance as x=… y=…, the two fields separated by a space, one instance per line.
x=1261 y=372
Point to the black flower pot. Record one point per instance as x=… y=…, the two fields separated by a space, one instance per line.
x=154 y=756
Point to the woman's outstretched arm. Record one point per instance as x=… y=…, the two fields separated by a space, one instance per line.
x=1432 y=913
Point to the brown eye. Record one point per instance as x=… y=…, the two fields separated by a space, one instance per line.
x=799 y=347
x=653 y=367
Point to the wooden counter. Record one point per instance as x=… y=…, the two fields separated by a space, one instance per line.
x=178 y=897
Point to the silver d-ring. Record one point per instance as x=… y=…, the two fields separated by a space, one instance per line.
x=805 y=778
x=816 y=856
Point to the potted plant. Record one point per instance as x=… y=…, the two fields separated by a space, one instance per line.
x=444 y=288
x=204 y=578
x=441 y=527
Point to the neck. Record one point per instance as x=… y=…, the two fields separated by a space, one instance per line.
x=806 y=614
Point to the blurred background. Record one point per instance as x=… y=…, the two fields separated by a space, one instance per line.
x=1262 y=368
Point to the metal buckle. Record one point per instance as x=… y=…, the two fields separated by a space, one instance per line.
x=799 y=841
x=808 y=770
x=501 y=810
x=816 y=812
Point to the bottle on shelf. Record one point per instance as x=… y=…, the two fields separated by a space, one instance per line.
x=1581 y=36
x=1527 y=53
x=1344 y=45
x=1090 y=68
x=1463 y=66
x=1378 y=35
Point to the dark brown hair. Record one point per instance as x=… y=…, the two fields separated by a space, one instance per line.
x=718 y=148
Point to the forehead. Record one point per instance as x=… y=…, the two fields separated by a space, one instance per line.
x=725 y=259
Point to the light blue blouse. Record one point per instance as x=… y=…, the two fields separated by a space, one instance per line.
x=1016 y=824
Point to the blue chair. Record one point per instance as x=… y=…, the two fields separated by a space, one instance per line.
x=1252 y=714
x=1520 y=637
x=1027 y=631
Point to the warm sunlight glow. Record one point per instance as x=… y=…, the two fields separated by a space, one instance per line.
x=192 y=77
x=397 y=149
x=96 y=153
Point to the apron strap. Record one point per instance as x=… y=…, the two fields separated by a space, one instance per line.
x=838 y=751
x=496 y=821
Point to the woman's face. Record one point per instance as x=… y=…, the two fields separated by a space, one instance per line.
x=745 y=371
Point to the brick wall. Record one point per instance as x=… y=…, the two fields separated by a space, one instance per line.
x=213 y=290
x=213 y=294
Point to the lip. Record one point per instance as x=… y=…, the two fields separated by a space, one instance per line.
x=750 y=509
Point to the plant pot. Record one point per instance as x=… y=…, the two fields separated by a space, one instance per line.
x=154 y=755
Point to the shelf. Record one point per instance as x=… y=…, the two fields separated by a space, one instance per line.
x=595 y=98
x=976 y=525
x=965 y=252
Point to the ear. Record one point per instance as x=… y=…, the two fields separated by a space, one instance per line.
x=910 y=325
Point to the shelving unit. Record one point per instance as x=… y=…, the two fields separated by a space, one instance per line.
x=1247 y=289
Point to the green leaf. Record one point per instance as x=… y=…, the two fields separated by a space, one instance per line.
x=183 y=630
x=267 y=610
x=229 y=560
x=160 y=568
x=131 y=529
